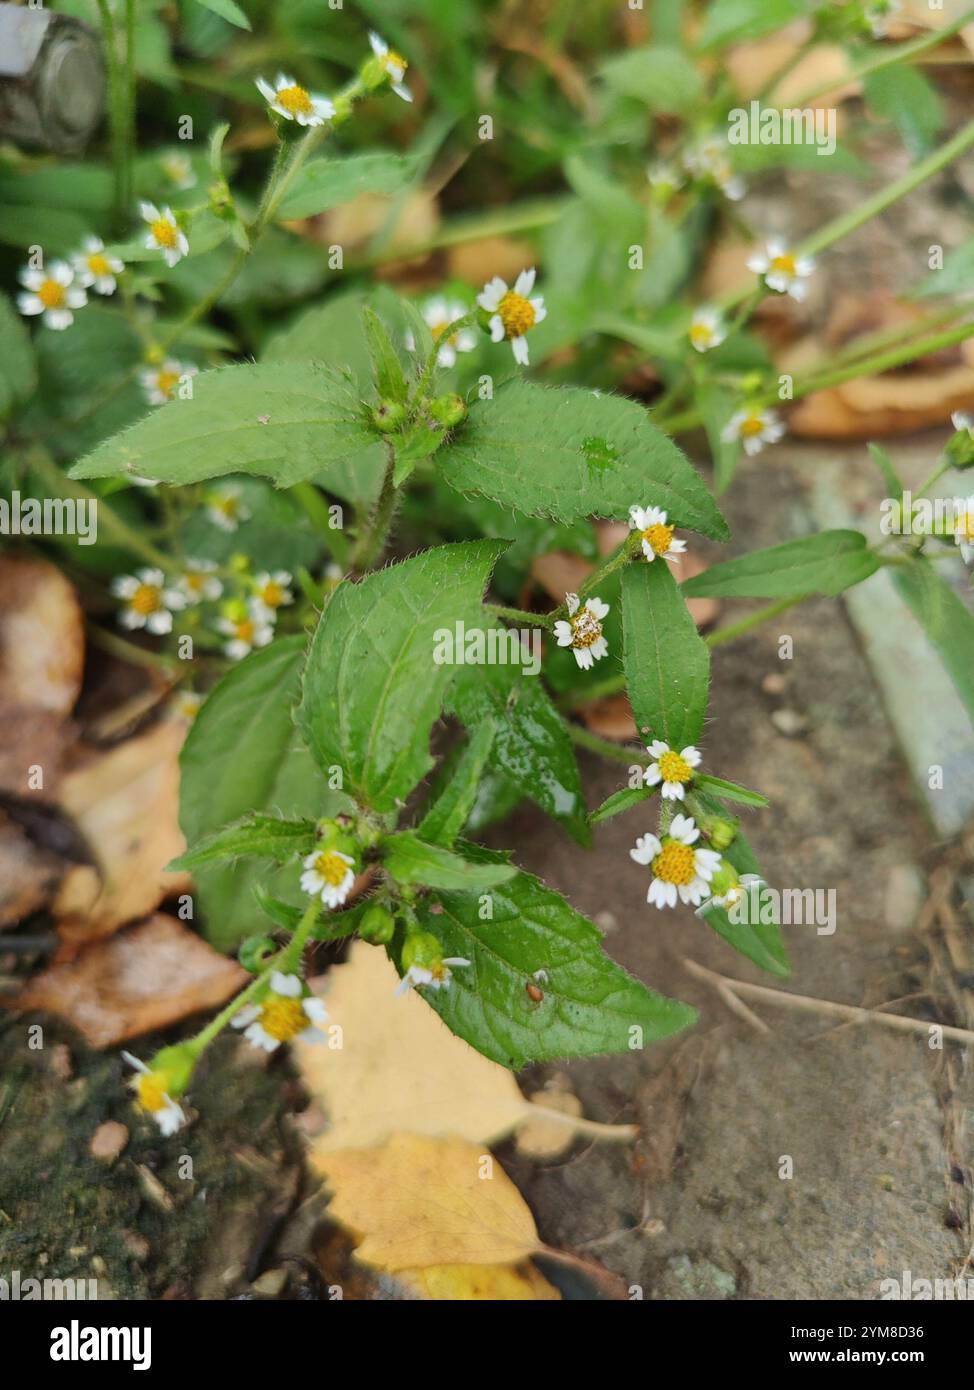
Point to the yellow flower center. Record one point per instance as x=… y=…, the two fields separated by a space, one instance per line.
x=674 y=768
x=674 y=863
x=586 y=629
x=283 y=1017
x=194 y=580
x=147 y=599
x=332 y=867
x=151 y=1092
x=245 y=630
x=439 y=971
x=295 y=100
x=659 y=537
x=229 y=506
x=395 y=65
x=751 y=426
x=167 y=382
x=965 y=526
x=272 y=594
x=51 y=294
x=98 y=265
x=784 y=264
x=163 y=232
x=701 y=334
x=517 y=314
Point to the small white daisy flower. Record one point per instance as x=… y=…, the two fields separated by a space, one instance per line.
x=664 y=177
x=94 y=269
x=438 y=314
x=437 y=976
x=52 y=293
x=226 y=509
x=754 y=427
x=272 y=591
x=394 y=64
x=657 y=534
x=328 y=874
x=165 y=233
x=583 y=630
x=294 y=102
x=707 y=329
x=783 y=271
x=286 y=1012
x=961 y=421
x=153 y=1098
x=710 y=159
x=160 y=383
x=679 y=870
x=964 y=528
x=674 y=770
x=178 y=170
x=198 y=581
x=185 y=705
x=513 y=312
x=731 y=896
x=149 y=603
x=879 y=15
x=245 y=633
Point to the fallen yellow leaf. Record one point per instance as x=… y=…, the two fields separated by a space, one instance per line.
x=479 y=1283
x=418 y=1202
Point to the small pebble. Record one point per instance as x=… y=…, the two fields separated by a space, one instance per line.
x=789 y=722
x=108 y=1141
x=774 y=683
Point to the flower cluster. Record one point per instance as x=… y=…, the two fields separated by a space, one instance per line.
x=245 y=618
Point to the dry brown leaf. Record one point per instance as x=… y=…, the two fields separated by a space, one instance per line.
x=42 y=644
x=418 y=1202
x=925 y=16
x=125 y=802
x=400 y=1068
x=355 y=223
x=919 y=396
x=753 y=65
x=479 y=1283
x=33 y=739
x=478 y=261
x=28 y=873
x=148 y=977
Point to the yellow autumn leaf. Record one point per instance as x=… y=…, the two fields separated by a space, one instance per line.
x=479 y=1283
x=417 y=1202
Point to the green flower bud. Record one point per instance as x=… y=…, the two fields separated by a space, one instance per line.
x=421 y=948
x=389 y=416
x=960 y=450
x=721 y=831
x=724 y=880
x=174 y=1066
x=255 y=952
x=448 y=410
x=377 y=925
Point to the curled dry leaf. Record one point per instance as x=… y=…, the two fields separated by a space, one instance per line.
x=417 y=1202
x=923 y=394
x=42 y=645
x=125 y=803
x=29 y=874
x=148 y=977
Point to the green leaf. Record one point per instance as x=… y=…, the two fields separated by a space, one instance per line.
x=282 y=421
x=620 y=801
x=717 y=405
x=667 y=661
x=590 y=1006
x=826 y=563
x=390 y=380
x=409 y=859
x=948 y=624
x=242 y=756
x=18 y=368
x=372 y=689
x=665 y=78
x=904 y=96
x=730 y=791
x=262 y=837
x=731 y=21
x=531 y=745
x=326 y=183
x=228 y=10
x=890 y=476
x=448 y=815
x=329 y=927
x=566 y=453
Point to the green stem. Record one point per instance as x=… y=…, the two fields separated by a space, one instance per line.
x=612 y=752
x=372 y=542
x=753 y=620
x=290 y=958
x=507 y=221
x=124 y=650
x=314 y=506
x=884 y=361
x=116 y=109
x=627 y=551
x=519 y=615
x=898 y=53
x=128 y=103
x=118 y=530
x=217 y=1024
